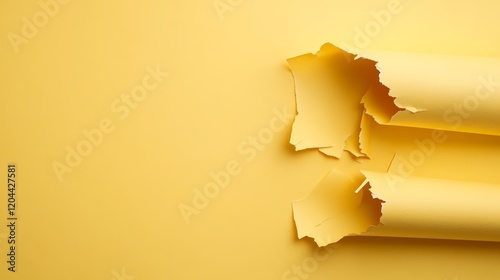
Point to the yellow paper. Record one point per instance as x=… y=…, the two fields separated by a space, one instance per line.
x=222 y=113
x=412 y=113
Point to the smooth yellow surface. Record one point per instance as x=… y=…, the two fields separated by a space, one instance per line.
x=117 y=213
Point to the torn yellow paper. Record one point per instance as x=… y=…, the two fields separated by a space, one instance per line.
x=328 y=222
x=418 y=90
x=435 y=208
x=437 y=91
x=420 y=116
x=386 y=204
x=328 y=93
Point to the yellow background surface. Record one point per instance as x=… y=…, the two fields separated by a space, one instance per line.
x=116 y=214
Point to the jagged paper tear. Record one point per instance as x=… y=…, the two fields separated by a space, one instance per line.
x=334 y=87
x=389 y=205
x=328 y=93
x=341 y=97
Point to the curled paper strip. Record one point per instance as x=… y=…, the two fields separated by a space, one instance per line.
x=388 y=113
x=334 y=87
x=419 y=207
